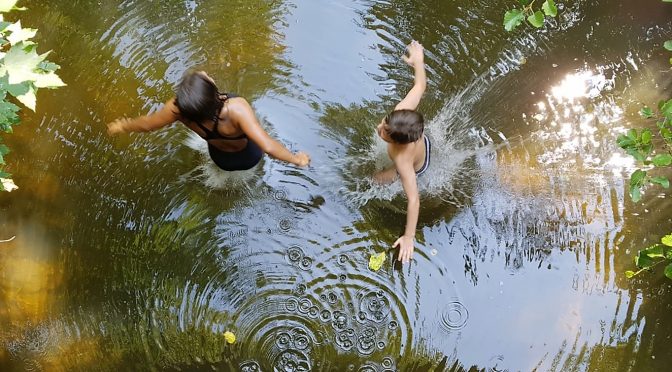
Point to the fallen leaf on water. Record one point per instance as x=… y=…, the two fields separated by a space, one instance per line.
x=229 y=337
x=376 y=261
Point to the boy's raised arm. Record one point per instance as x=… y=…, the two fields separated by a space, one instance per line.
x=415 y=59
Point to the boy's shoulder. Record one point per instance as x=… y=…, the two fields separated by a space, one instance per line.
x=398 y=152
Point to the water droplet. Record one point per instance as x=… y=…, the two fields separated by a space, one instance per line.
x=280 y=195
x=285 y=225
x=454 y=316
x=292 y=304
x=294 y=253
x=305 y=305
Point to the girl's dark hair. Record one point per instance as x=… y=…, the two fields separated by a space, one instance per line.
x=404 y=126
x=197 y=97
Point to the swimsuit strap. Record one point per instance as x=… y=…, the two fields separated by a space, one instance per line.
x=214 y=133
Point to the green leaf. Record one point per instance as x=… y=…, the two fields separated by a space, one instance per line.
x=666 y=133
x=635 y=154
x=4 y=150
x=29 y=99
x=21 y=65
x=19 y=34
x=632 y=134
x=668 y=45
x=668 y=271
x=662 y=181
x=513 y=18
x=4 y=25
x=536 y=19
x=643 y=261
x=624 y=141
x=4 y=174
x=655 y=251
x=376 y=261
x=646 y=136
x=662 y=160
x=549 y=8
x=637 y=177
x=646 y=112
x=47 y=66
x=49 y=80
x=667 y=240
x=7 y=5
x=629 y=274
x=8 y=116
x=635 y=193
x=666 y=108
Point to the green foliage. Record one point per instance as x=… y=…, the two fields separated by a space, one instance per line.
x=668 y=45
x=647 y=152
x=515 y=17
x=22 y=73
x=652 y=256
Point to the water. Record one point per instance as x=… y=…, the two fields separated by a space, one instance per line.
x=134 y=253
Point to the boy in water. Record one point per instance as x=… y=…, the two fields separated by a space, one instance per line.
x=408 y=147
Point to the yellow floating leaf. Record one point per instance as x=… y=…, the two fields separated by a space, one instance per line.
x=376 y=261
x=229 y=337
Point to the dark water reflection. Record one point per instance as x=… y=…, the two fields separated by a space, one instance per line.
x=131 y=253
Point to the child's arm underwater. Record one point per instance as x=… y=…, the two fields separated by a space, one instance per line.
x=415 y=59
x=166 y=115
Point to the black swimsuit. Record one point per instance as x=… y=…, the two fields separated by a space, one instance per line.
x=231 y=161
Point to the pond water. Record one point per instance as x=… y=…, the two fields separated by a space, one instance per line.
x=134 y=253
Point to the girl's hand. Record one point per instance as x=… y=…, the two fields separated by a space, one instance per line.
x=415 y=54
x=301 y=159
x=117 y=126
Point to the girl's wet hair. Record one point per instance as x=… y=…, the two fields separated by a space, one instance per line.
x=404 y=126
x=197 y=97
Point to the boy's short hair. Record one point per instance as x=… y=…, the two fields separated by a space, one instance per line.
x=404 y=126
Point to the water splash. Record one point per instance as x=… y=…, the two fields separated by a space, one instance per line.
x=214 y=177
x=456 y=136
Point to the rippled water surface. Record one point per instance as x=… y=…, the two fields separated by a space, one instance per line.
x=135 y=253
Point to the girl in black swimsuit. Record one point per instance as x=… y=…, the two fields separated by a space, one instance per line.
x=235 y=139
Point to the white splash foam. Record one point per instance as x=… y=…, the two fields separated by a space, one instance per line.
x=214 y=177
x=455 y=138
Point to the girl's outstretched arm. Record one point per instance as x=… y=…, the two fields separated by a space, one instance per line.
x=166 y=115
x=241 y=111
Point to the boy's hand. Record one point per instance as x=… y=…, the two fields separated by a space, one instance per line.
x=301 y=159
x=416 y=56
x=117 y=126
x=405 y=244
